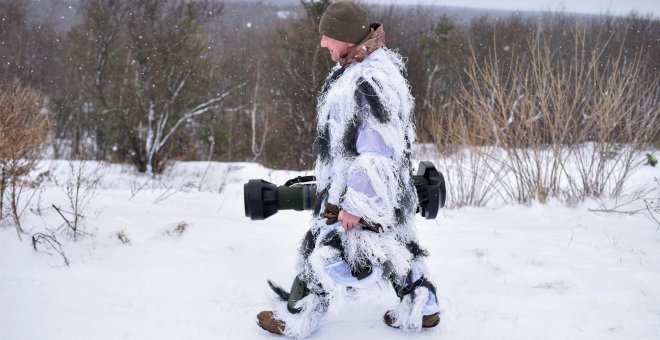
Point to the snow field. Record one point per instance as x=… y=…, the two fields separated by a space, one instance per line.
x=512 y=272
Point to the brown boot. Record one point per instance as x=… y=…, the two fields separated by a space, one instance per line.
x=269 y=322
x=428 y=321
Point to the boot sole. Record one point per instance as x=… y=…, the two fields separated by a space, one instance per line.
x=268 y=330
x=437 y=322
x=269 y=323
x=387 y=321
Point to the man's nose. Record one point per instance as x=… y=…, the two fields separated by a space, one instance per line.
x=323 y=41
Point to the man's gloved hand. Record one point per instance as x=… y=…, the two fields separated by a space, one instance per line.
x=330 y=213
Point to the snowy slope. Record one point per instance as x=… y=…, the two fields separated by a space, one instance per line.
x=514 y=272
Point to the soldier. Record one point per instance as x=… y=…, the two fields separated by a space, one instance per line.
x=366 y=230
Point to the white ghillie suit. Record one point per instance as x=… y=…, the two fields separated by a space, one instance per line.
x=366 y=131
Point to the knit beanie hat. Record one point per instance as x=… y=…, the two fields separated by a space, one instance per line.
x=345 y=21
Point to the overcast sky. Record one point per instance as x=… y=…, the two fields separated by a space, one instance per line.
x=577 y=6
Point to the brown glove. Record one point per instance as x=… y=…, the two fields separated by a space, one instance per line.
x=331 y=213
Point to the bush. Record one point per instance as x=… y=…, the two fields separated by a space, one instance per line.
x=24 y=128
x=546 y=128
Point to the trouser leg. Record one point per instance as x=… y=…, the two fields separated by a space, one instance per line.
x=299 y=311
x=417 y=295
x=298 y=291
x=305 y=305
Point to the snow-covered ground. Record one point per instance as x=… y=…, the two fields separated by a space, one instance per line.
x=513 y=272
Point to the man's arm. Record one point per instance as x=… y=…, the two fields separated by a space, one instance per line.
x=368 y=141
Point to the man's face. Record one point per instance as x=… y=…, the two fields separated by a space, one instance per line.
x=336 y=48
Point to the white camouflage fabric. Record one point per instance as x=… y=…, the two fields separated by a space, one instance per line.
x=366 y=132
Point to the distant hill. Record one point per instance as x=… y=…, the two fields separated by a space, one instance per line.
x=66 y=13
x=268 y=2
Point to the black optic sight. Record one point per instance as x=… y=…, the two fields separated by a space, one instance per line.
x=263 y=199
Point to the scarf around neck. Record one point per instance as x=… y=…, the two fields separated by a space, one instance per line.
x=373 y=41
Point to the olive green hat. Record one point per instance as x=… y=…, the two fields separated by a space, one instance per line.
x=345 y=21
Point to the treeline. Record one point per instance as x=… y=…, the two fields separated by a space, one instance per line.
x=150 y=81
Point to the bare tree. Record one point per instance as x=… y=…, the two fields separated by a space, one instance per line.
x=151 y=71
x=258 y=147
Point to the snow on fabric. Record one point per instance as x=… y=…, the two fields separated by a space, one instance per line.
x=388 y=177
x=337 y=113
x=364 y=102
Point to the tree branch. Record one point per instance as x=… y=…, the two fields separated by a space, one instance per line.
x=198 y=110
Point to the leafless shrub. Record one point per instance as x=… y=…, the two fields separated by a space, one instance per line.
x=138 y=183
x=80 y=188
x=552 y=129
x=169 y=191
x=24 y=126
x=179 y=229
x=653 y=208
x=223 y=183
x=645 y=201
x=470 y=178
x=121 y=235
x=162 y=183
x=211 y=140
x=49 y=243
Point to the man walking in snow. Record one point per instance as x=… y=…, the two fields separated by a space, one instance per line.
x=366 y=230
